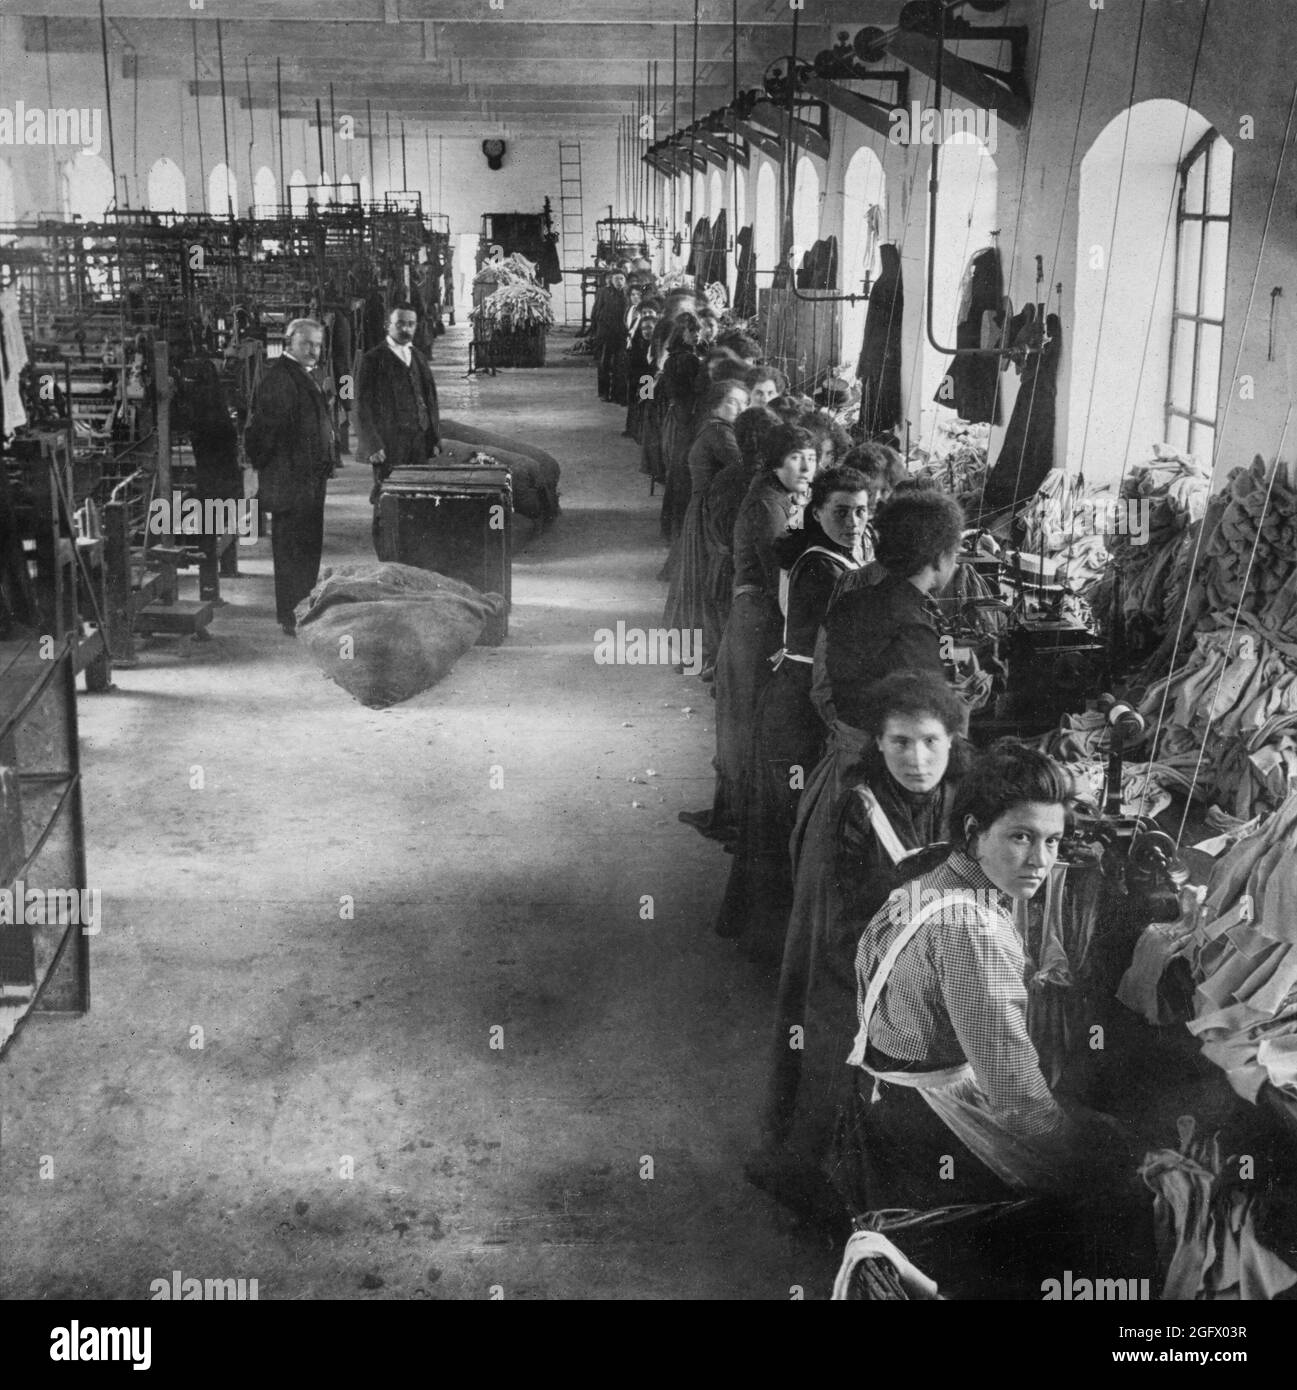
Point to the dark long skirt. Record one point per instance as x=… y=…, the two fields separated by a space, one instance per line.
x=742 y=670
x=718 y=591
x=685 y=607
x=787 y=745
x=808 y=1079
x=676 y=440
x=650 y=439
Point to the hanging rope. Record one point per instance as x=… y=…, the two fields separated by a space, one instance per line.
x=252 y=134
x=1198 y=540
x=279 y=120
x=108 y=99
x=225 y=127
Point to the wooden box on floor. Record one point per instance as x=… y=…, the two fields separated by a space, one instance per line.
x=43 y=965
x=458 y=522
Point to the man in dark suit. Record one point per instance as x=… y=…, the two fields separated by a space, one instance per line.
x=291 y=443
x=398 y=424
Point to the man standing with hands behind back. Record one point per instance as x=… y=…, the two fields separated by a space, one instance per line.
x=398 y=424
x=291 y=443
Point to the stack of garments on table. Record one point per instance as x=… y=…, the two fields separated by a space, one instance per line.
x=957 y=462
x=1245 y=1003
x=1060 y=523
x=1144 y=589
x=1206 y=1225
x=1247 y=562
x=1082 y=741
x=1230 y=710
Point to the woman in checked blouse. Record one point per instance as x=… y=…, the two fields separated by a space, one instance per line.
x=953 y=1105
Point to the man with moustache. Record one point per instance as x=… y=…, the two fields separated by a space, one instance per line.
x=398 y=424
x=291 y=443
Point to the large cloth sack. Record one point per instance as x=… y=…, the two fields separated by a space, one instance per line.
x=544 y=473
x=384 y=631
x=528 y=497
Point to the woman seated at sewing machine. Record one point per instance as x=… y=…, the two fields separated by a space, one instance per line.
x=952 y=1103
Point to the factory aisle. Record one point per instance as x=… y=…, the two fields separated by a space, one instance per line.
x=379 y=1028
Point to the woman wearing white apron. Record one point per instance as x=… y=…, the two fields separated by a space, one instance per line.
x=954 y=1107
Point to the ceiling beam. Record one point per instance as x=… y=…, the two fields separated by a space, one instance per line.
x=513 y=13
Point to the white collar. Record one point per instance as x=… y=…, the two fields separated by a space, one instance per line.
x=402 y=350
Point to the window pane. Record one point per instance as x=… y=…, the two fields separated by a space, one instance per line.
x=1220 y=178
x=1194 y=180
x=1177 y=433
x=1208 y=369
x=1202 y=443
x=1182 y=364
x=1214 y=250
x=1186 y=284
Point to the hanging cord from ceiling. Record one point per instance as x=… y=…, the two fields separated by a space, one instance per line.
x=1274 y=472
x=108 y=99
x=198 y=111
x=225 y=122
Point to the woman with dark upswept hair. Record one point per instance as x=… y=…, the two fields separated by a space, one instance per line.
x=951 y=1103
x=788 y=736
x=774 y=501
x=897 y=803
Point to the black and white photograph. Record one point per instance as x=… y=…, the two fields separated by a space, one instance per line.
x=648 y=652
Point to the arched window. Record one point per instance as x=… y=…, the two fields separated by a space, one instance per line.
x=86 y=184
x=8 y=202
x=265 y=193
x=806 y=207
x=715 y=194
x=967 y=215
x=864 y=224
x=297 y=191
x=1202 y=229
x=736 y=195
x=1152 y=239
x=364 y=188
x=166 y=191
x=765 y=230
x=222 y=192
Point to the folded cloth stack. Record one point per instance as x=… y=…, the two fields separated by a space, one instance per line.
x=957 y=461
x=1234 y=688
x=1205 y=1224
x=1148 y=576
x=1247 y=563
x=1082 y=740
x=1245 y=961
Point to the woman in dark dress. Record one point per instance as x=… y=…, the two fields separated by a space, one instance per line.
x=720 y=512
x=894 y=624
x=714 y=448
x=651 y=459
x=894 y=802
x=751 y=638
x=789 y=737
x=918 y=535
x=949 y=1071
x=678 y=391
x=640 y=371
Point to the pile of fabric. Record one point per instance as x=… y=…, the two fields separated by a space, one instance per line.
x=1206 y=1225
x=385 y=631
x=1245 y=967
x=1068 y=524
x=1248 y=558
x=956 y=463
x=1143 y=592
x=1231 y=710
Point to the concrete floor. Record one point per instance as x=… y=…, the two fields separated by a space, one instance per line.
x=332 y=1045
